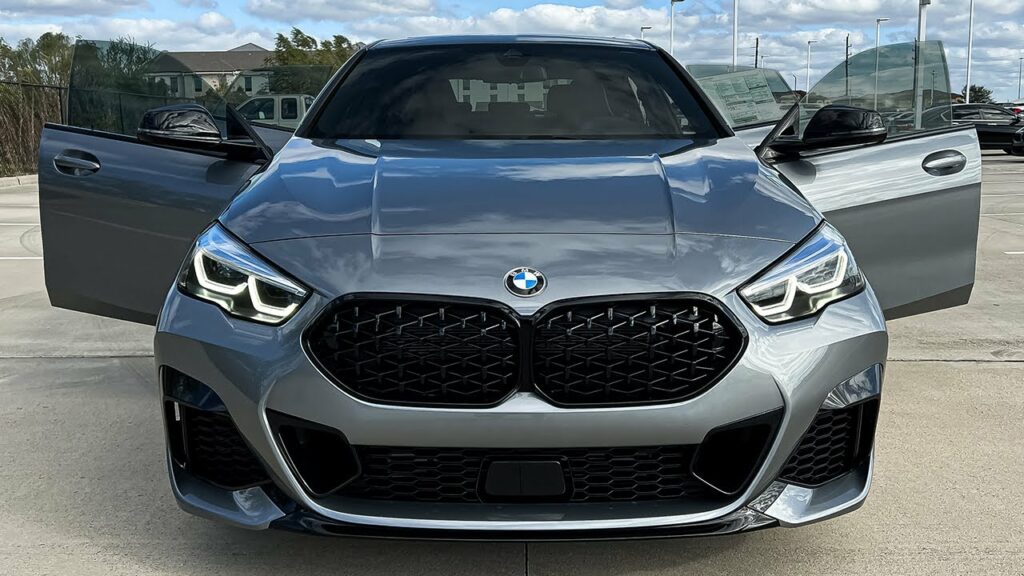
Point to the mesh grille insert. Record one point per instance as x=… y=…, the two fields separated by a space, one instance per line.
x=595 y=474
x=216 y=451
x=631 y=352
x=835 y=442
x=398 y=351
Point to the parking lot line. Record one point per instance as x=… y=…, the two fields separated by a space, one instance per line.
x=1014 y=253
x=21 y=257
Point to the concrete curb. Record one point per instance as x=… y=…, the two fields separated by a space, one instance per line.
x=12 y=181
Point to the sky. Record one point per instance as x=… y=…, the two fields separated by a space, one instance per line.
x=703 y=27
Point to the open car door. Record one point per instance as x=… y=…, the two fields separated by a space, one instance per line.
x=118 y=210
x=908 y=206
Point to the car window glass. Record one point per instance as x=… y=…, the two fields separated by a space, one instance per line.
x=998 y=114
x=966 y=113
x=512 y=91
x=257 y=109
x=892 y=89
x=112 y=84
x=745 y=96
x=289 y=108
x=290 y=83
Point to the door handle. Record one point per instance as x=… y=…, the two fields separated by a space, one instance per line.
x=81 y=164
x=944 y=163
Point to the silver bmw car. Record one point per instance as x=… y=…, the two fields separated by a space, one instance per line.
x=519 y=287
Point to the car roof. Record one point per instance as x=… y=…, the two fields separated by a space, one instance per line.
x=457 y=40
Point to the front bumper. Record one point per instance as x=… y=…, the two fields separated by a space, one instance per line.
x=254 y=368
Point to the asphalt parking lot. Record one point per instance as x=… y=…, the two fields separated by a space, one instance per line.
x=83 y=488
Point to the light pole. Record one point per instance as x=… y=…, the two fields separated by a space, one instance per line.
x=642 y=30
x=735 y=31
x=878 y=37
x=922 y=28
x=970 y=48
x=672 y=26
x=794 y=80
x=1020 y=75
x=809 y=42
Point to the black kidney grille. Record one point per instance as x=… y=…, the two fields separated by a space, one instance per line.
x=216 y=451
x=595 y=474
x=399 y=351
x=632 y=351
x=827 y=449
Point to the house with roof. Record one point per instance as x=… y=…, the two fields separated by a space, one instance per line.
x=192 y=74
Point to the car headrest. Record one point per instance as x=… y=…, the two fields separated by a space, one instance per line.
x=509 y=108
x=579 y=99
x=560 y=98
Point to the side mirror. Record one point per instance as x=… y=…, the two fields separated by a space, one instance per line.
x=192 y=127
x=180 y=125
x=835 y=126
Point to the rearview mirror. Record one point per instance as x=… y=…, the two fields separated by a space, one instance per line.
x=836 y=126
x=184 y=125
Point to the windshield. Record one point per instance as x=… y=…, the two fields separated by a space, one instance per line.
x=745 y=96
x=491 y=91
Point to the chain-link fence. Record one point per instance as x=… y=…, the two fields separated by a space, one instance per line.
x=24 y=108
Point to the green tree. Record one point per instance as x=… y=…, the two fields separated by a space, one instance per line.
x=299 y=48
x=979 y=94
x=46 y=60
x=27 y=70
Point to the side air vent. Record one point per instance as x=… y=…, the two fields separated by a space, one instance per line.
x=318 y=455
x=731 y=454
x=203 y=439
x=836 y=441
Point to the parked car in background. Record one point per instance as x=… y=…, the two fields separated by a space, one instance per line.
x=996 y=125
x=1015 y=107
x=1018 y=143
x=285 y=110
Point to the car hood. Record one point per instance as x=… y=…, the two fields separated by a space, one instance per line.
x=318 y=189
x=474 y=265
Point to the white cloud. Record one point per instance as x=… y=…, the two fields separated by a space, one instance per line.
x=340 y=10
x=12 y=32
x=28 y=8
x=703 y=28
x=209 y=31
x=215 y=23
x=623 y=4
x=198 y=3
x=539 y=19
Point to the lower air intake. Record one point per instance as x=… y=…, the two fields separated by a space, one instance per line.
x=836 y=441
x=203 y=439
x=592 y=474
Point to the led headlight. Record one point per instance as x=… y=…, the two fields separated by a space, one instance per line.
x=820 y=271
x=223 y=271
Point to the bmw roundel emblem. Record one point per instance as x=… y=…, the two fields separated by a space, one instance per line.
x=525 y=282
